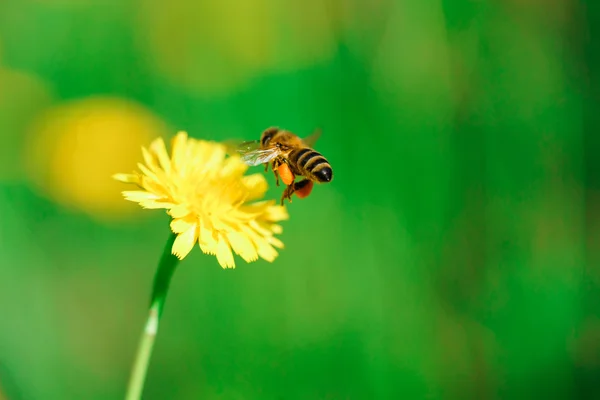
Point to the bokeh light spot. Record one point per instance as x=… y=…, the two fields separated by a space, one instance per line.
x=77 y=146
x=196 y=47
x=214 y=48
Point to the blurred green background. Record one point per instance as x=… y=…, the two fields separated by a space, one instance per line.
x=454 y=256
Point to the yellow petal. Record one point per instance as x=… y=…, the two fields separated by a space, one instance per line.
x=154 y=187
x=224 y=255
x=211 y=154
x=243 y=213
x=265 y=229
x=127 y=178
x=207 y=238
x=219 y=224
x=256 y=185
x=184 y=242
x=267 y=252
x=275 y=242
x=243 y=246
x=179 y=150
x=182 y=225
x=179 y=211
x=156 y=204
x=276 y=213
x=260 y=227
x=139 y=195
x=264 y=249
x=146 y=171
x=207 y=249
x=159 y=149
x=149 y=159
x=255 y=209
x=233 y=166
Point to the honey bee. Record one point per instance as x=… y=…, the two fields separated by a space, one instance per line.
x=289 y=156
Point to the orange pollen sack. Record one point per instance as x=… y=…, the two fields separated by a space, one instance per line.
x=286 y=174
x=305 y=191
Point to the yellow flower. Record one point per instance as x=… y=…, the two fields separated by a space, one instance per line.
x=209 y=198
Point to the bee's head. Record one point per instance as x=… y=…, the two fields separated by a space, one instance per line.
x=267 y=135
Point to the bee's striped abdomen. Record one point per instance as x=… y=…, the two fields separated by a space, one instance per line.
x=311 y=163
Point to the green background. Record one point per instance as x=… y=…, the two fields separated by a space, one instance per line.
x=454 y=255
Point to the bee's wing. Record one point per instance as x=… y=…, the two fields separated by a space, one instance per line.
x=252 y=154
x=246 y=147
x=258 y=157
x=312 y=138
x=233 y=146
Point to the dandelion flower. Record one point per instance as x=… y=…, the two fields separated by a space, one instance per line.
x=211 y=201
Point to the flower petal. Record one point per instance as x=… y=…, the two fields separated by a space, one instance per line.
x=276 y=213
x=149 y=159
x=156 y=204
x=212 y=154
x=146 y=171
x=207 y=239
x=261 y=227
x=243 y=246
x=257 y=186
x=233 y=166
x=179 y=211
x=264 y=249
x=224 y=255
x=267 y=230
x=127 y=178
x=181 y=225
x=184 y=242
x=275 y=242
x=254 y=210
x=139 y=195
x=159 y=149
x=154 y=187
x=179 y=150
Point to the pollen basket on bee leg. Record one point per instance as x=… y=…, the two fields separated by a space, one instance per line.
x=286 y=174
x=305 y=190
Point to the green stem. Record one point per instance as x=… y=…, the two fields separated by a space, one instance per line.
x=162 y=279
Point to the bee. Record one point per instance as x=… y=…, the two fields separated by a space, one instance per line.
x=289 y=156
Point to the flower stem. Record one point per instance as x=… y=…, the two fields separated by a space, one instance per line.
x=162 y=279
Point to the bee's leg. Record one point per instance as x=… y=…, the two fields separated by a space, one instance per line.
x=283 y=197
x=274 y=167
x=274 y=171
x=287 y=193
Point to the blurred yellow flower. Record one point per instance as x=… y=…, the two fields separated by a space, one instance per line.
x=209 y=198
x=61 y=140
